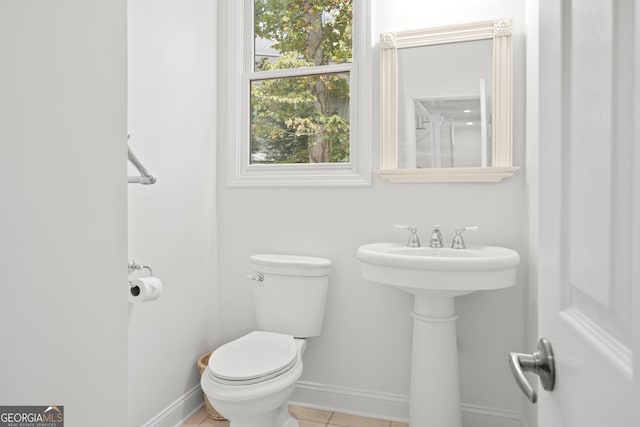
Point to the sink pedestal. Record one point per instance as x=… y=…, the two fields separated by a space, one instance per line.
x=435 y=385
x=435 y=276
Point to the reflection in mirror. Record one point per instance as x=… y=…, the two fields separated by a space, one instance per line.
x=443 y=113
x=446 y=104
x=446 y=133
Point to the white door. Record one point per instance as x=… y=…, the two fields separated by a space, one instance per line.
x=589 y=210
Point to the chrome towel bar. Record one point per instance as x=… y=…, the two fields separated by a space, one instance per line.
x=145 y=177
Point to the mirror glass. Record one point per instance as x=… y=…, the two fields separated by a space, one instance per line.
x=446 y=104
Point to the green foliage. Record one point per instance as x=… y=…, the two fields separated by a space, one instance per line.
x=286 y=120
x=286 y=23
x=302 y=119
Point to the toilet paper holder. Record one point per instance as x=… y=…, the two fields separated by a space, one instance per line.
x=143 y=289
x=134 y=266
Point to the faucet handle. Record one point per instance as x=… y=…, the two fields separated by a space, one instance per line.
x=458 y=241
x=459 y=230
x=414 y=240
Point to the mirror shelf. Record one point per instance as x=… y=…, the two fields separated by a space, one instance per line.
x=489 y=174
x=499 y=165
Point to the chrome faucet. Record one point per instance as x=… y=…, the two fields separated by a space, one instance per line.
x=458 y=241
x=414 y=240
x=436 y=237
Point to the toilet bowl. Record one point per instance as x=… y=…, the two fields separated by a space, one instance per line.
x=250 y=380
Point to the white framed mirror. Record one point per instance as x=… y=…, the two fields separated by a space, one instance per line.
x=446 y=104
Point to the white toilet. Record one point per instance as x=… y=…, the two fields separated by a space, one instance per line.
x=250 y=380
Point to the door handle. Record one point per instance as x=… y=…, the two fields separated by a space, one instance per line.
x=540 y=363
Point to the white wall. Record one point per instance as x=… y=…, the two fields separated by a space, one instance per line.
x=365 y=346
x=63 y=309
x=172 y=99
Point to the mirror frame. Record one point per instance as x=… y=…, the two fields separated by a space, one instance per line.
x=502 y=104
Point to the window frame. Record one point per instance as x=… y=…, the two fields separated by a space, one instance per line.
x=356 y=172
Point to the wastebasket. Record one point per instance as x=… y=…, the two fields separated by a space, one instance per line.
x=203 y=361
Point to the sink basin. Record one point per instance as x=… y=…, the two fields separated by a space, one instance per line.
x=439 y=271
x=435 y=276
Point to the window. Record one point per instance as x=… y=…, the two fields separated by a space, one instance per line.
x=300 y=105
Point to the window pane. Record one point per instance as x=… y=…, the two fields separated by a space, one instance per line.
x=301 y=119
x=302 y=33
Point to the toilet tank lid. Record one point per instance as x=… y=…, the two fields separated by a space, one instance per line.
x=292 y=264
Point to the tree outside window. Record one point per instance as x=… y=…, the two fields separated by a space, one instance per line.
x=297 y=115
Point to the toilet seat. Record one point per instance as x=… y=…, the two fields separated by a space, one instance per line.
x=253 y=358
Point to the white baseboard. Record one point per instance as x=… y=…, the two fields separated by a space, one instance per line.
x=387 y=406
x=393 y=407
x=179 y=411
x=481 y=416
x=364 y=403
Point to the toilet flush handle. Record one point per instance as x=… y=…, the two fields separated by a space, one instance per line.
x=257 y=277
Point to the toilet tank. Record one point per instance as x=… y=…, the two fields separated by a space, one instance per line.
x=291 y=297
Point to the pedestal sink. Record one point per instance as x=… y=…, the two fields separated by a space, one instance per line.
x=435 y=276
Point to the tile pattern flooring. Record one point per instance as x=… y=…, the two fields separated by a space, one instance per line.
x=307 y=418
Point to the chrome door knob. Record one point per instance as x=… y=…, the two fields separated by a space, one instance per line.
x=540 y=363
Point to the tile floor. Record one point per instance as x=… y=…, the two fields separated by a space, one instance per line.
x=307 y=418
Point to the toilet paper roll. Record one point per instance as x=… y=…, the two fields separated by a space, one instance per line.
x=144 y=289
